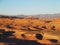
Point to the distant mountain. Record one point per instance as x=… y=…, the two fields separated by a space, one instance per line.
x=47 y=15
x=34 y=16
x=41 y=15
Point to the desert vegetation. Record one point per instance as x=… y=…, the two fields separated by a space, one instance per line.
x=31 y=30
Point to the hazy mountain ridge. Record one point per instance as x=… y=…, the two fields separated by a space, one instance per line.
x=36 y=16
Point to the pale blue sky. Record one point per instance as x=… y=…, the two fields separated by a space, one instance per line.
x=14 y=7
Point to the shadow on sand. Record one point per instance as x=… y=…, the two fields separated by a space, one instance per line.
x=15 y=41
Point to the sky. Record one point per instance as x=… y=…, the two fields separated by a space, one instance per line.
x=29 y=7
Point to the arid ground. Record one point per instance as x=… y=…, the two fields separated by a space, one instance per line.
x=29 y=31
